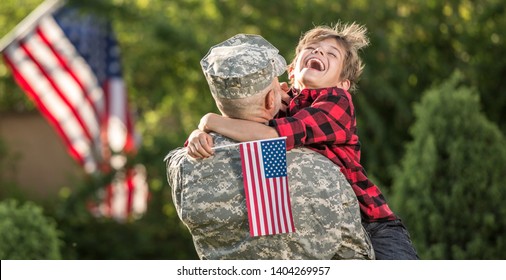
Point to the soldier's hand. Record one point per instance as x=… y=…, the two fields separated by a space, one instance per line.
x=200 y=144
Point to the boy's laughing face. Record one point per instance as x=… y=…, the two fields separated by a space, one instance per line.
x=319 y=65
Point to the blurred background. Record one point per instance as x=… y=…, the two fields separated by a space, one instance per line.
x=431 y=112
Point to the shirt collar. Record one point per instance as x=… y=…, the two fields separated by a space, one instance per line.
x=313 y=93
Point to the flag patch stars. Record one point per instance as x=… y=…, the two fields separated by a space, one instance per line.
x=274 y=158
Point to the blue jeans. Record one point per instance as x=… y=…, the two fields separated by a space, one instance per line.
x=391 y=240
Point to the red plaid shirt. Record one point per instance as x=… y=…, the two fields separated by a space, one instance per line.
x=324 y=121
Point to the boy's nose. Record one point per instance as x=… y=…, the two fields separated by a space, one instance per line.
x=317 y=50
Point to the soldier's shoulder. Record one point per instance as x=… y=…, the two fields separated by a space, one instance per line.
x=220 y=140
x=309 y=158
x=175 y=155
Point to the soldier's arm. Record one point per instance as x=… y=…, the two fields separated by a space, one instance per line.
x=239 y=130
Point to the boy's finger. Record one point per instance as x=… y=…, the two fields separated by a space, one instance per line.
x=207 y=146
x=194 y=152
x=204 y=150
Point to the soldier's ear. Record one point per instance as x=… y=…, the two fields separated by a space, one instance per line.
x=269 y=100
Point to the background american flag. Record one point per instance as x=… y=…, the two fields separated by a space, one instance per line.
x=68 y=64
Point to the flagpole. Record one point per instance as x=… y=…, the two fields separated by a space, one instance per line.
x=237 y=144
x=29 y=21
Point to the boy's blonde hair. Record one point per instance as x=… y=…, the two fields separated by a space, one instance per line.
x=352 y=38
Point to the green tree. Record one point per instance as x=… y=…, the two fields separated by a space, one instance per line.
x=26 y=233
x=450 y=186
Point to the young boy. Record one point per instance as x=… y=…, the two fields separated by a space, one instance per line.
x=321 y=116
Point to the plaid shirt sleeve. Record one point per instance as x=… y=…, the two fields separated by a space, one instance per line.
x=329 y=119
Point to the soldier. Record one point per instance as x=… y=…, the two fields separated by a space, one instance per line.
x=208 y=193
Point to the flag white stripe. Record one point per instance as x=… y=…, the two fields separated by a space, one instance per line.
x=76 y=63
x=117 y=130
x=72 y=92
x=48 y=97
x=119 y=201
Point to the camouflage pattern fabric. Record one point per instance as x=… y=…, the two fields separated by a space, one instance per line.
x=209 y=198
x=241 y=66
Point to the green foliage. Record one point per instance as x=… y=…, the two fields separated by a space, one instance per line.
x=450 y=187
x=154 y=236
x=26 y=234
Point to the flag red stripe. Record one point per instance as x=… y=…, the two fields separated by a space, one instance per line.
x=61 y=95
x=130 y=190
x=75 y=64
x=45 y=112
x=45 y=93
x=57 y=89
x=81 y=84
x=130 y=145
x=285 y=218
x=64 y=63
x=85 y=94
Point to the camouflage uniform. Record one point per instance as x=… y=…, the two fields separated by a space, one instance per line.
x=209 y=198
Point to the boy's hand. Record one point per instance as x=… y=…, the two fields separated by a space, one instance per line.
x=285 y=98
x=284 y=86
x=200 y=144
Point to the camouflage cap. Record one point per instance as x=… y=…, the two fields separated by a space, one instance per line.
x=241 y=66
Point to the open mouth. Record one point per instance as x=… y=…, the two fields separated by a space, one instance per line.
x=316 y=64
